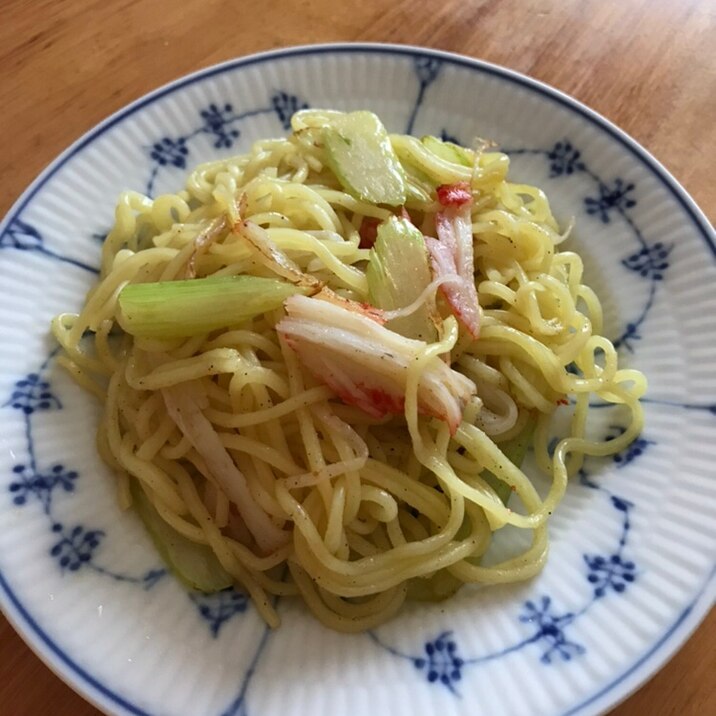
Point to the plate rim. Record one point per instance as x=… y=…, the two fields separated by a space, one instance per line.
x=674 y=637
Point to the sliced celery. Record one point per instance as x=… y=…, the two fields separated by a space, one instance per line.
x=360 y=155
x=397 y=274
x=175 y=309
x=194 y=564
x=449 y=151
x=419 y=187
x=416 y=157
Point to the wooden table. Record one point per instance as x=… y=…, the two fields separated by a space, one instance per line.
x=648 y=65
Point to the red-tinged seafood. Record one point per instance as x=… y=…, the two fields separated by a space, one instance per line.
x=367 y=364
x=451 y=255
x=454 y=194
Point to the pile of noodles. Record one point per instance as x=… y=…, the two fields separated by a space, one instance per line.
x=354 y=512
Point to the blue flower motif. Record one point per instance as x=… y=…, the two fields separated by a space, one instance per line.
x=613 y=572
x=217 y=121
x=650 y=261
x=427 y=69
x=76 y=546
x=446 y=137
x=21 y=235
x=441 y=662
x=622 y=505
x=564 y=159
x=27 y=483
x=218 y=608
x=152 y=577
x=32 y=393
x=285 y=105
x=610 y=197
x=585 y=481
x=632 y=451
x=170 y=151
x=631 y=333
x=550 y=630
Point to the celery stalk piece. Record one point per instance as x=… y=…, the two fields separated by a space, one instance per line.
x=193 y=564
x=397 y=274
x=360 y=154
x=449 y=151
x=176 y=309
x=420 y=161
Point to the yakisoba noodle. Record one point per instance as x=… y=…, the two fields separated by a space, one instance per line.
x=348 y=511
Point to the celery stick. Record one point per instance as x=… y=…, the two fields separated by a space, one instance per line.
x=359 y=153
x=397 y=274
x=176 y=309
x=194 y=564
x=448 y=151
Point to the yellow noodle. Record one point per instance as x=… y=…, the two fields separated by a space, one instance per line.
x=363 y=505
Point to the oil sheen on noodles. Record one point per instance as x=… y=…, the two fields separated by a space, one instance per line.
x=296 y=455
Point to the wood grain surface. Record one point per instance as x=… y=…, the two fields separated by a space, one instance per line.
x=648 y=65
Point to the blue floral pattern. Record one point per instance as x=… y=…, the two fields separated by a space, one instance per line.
x=609 y=573
x=613 y=571
x=75 y=546
x=564 y=159
x=21 y=235
x=427 y=70
x=218 y=608
x=170 y=151
x=32 y=393
x=551 y=630
x=447 y=137
x=28 y=482
x=650 y=261
x=441 y=662
x=219 y=121
x=286 y=105
x=615 y=196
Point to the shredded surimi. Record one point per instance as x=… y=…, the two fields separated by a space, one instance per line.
x=367 y=364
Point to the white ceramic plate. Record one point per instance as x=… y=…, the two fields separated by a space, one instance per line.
x=631 y=569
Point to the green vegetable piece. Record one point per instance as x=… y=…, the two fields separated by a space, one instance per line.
x=514 y=450
x=397 y=274
x=193 y=564
x=419 y=187
x=360 y=154
x=448 y=151
x=176 y=309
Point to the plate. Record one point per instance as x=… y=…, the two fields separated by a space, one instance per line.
x=631 y=570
